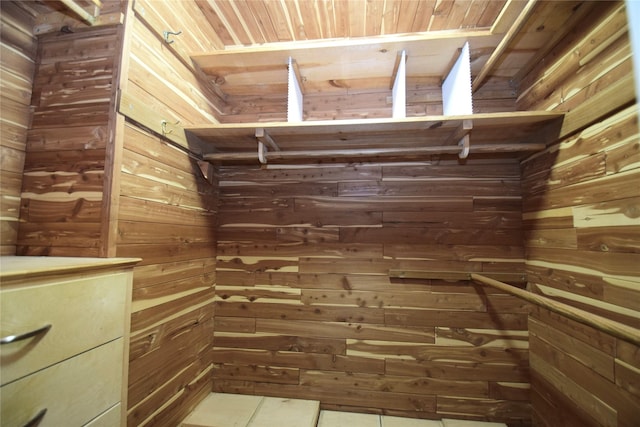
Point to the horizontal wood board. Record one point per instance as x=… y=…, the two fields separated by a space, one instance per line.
x=68 y=178
x=172 y=311
x=493 y=129
x=305 y=306
x=580 y=229
x=579 y=243
x=239 y=23
x=17 y=64
x=324 y=65
x=166 y=215
x=296 y=27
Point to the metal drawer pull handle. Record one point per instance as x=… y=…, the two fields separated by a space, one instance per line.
x=13 y=338
x=36 y=420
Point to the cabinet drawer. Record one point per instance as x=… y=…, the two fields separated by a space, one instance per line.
x=111 y=418
x=83 y=314
x=73 y=391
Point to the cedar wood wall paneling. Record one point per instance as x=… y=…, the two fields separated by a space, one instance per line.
x=166 y=216
x=305 y=307
x=64 y=186
x=67 y=172
x=424 y=98
x=156 y=204
x=17 y=52
x=582 y=231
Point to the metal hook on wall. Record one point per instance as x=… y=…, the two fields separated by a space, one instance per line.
x=167 y=33
x=163 y=127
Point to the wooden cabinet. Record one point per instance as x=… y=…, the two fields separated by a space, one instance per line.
x=64 y=325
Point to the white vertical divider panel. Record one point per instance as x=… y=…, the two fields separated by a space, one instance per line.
x=399 y=91
x=294 y=101
x=456 y=89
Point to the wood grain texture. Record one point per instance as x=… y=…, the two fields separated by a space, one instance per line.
x=309 y=309
x=239 y=23
x=161 y=189
x=255 y=25
x=580 y=227
x=172 y=319
x=365 y=63
x=18 y=53
x=87 y=163
x=168 y=86
x=304 y=300
x=74 y=83
x=412 y=137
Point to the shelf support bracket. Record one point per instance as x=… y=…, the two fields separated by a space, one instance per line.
x=464 y=144
x=461 y=135
x=262 y=153
x=265 y=140
x=263 y=136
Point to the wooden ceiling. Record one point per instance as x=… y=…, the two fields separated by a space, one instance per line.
x=531 y=25
x=522 y=31
x=242 y=22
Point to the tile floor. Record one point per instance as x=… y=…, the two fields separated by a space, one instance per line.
x=235 y=410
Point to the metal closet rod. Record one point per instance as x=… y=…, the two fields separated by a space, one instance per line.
x=377 y=152
x=617 y=329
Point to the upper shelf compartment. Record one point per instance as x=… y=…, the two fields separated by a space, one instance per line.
x=344 y=64
x=447 y=58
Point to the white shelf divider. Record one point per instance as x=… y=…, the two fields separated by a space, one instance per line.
x=294 y=95
x=456 y=89
x=399 y=91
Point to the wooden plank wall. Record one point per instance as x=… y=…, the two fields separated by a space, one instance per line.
x=582 y=228
x=65 y=193
x=250 y=23
x=166 y=216
x=99 y=183
x=305 y=307
x=424 y=98
x=17 y=65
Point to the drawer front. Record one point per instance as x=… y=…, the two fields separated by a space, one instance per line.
x=74 y=392
x=111 y=418
x=83 y=314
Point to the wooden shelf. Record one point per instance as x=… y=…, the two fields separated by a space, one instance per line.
x=330 y=65
x=369 y=63
x=514 y=132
